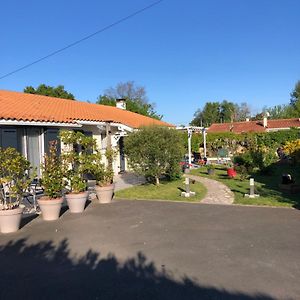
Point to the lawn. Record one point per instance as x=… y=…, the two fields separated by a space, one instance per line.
x=265 y=185
x=165 y=191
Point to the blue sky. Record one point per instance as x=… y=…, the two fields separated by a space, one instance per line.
x=184 y=52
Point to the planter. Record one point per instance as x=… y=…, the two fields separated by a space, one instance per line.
x=10 y=219
x=76 y=202
x=211 y=171
x=231 y=172
x=50 y=208
x=105 y=193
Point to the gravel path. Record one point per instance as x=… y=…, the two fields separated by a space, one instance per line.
x=217 y=192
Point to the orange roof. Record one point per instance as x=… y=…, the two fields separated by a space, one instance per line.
x=254 y=126
x=29 y=107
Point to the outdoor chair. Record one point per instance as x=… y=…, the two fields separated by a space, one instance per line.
x=34 y=191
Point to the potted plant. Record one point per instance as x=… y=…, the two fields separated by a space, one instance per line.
x=77 y=195
x=231 y=172
x=14 y=180
x=53 y=183
x=210 y=169
x=74 y=166
x=104 y=176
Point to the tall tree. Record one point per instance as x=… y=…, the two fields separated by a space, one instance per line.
x=283 y=111
x=208 y=115
x=47 y=90
x=214 y=112
x=227 y=111
x=135 y=96
x=295 y=94
x=295 y=99
x=242 y=112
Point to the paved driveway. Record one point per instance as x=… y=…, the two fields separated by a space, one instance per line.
x=155 y=250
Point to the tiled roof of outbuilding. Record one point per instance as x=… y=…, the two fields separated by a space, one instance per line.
x=254 y=126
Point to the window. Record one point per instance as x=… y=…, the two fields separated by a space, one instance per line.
x=11 y=137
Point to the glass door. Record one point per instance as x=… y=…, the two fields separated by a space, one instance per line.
x=34 y=148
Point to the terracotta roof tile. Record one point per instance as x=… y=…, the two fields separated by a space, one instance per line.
x=29 y=107
x=254 y=126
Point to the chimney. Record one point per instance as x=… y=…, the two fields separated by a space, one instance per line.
x=247 y=119
x=121 y=103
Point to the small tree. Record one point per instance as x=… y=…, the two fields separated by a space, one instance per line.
x=155 y=151
x=77 y=162
x=14 y=170
x=53 y=173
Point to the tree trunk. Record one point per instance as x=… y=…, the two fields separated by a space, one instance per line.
x=156 y=180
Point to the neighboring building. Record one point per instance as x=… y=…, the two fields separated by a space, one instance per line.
x=264 y=125
x=28 y=122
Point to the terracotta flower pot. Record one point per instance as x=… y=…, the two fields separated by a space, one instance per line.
x=105 y=193
x=50 y=208
x=231 y=172
x=76 y=202
x=10 y=219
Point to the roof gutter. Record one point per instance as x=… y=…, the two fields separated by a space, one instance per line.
x=34 y=123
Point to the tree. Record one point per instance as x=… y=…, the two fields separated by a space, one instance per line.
x=295 y=94
x=135 y=96
x=155 y=151
x=242 y=112
x=280 y=112
x=227 y=111
x=47 y=90
x=208 y=115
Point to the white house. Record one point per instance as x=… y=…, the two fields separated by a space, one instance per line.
x=28 y=122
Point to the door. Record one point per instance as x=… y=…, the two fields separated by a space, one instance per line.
x=122 y=155
x=34 y=148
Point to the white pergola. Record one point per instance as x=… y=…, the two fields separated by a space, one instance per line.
x=190 y=130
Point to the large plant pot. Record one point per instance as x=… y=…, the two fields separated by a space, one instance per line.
x=105 y=193
x=211 y=171
x=10 y=219
x=50 y=208
x=231 y=172
x=76 y=202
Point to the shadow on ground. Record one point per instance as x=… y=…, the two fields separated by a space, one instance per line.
x=48 y=271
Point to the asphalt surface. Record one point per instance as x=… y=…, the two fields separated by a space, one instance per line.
x=155 y=250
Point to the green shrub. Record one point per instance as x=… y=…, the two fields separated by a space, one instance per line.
x=154 y=152
x=293 y=150
x=53 y=173
x=14 y=170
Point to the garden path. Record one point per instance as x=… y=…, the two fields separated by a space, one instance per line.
x=217 y=192
x=126 y=180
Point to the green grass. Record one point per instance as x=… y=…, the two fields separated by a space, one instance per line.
x=265 y=185
x=165 y=191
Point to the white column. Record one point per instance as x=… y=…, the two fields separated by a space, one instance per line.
x=204 y=141
x=189 y=145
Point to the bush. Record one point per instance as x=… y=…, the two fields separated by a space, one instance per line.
x=242 y=171
x=154 y=152
x=234 y=142
x=293 y=149
x=258 y=158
